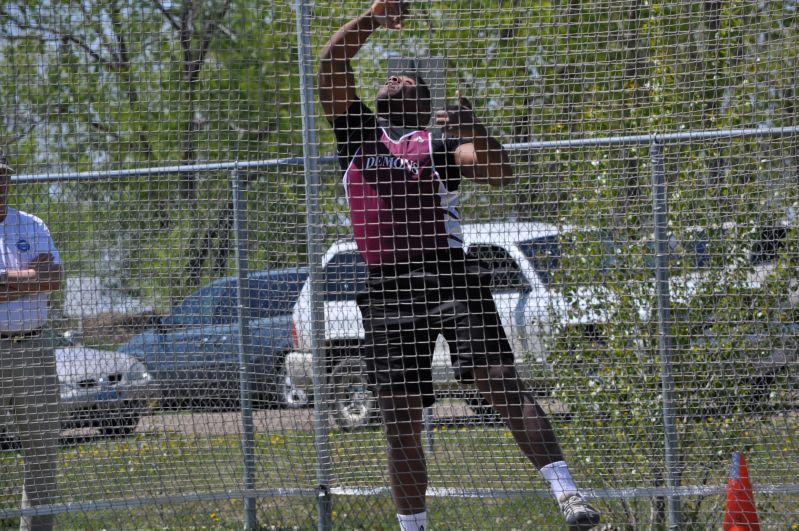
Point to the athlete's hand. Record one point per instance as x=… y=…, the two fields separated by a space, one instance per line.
x=459 y=121
x=390 y=13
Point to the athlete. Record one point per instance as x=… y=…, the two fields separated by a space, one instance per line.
x=401 y=183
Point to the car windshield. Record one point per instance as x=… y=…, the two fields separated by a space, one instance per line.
x=344 y=276
x=547 y=253
x=762 y=244
x=695 y=249
x=269 y=294
x=196 y=309
x=690 y=250
x=682 y=255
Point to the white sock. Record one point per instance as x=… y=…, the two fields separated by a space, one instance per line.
x=559 y=477
x=412 y=522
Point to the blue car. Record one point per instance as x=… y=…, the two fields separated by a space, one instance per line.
x=193 y=352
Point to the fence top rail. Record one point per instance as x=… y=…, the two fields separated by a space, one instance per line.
x=656 y=138
x=631 y=140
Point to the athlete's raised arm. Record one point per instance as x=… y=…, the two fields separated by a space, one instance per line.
x=336 y=80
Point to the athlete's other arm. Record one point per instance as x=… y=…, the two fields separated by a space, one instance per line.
x=482 y=158
x=336 y=79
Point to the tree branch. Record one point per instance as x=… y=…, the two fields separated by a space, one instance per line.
x=19 y=136
x=185 y=38
x=54 y=34
x=259 y=135
x=103 y=128
x=169 y=17
x=124 y=71
x=210 y=29
x=67 y=38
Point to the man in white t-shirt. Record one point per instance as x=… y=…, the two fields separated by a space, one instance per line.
x=30 y=269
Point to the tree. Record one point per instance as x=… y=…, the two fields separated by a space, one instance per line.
x=153 y=84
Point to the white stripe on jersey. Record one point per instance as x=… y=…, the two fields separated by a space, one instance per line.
x=345 y=178
x=449 y=203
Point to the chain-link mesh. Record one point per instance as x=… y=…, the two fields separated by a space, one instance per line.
x=213 y=361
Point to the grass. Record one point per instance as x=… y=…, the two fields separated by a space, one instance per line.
x=163 y=464
x=478 y=457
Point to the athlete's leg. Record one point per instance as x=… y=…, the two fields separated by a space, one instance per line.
x=483 y=355
x=402 y=417
x=398 y=350
x=527 y=422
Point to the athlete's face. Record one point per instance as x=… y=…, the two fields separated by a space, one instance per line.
x=404 y=102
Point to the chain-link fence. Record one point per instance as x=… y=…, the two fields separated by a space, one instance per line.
x=208 y=344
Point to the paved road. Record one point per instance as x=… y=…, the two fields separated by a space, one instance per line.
x=215 y=423
x=446 y=411
x=265 y=421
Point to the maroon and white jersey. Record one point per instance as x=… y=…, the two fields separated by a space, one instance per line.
x=401 y=188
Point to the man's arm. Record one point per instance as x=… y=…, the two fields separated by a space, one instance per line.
x=483 y=158
x=42 y=275
x=336 y=79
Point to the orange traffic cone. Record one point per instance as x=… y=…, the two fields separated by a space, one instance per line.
x=741 y=514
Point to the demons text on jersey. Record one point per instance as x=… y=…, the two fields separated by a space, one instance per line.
x=389 y=161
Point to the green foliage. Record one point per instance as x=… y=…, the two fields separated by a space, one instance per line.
x=732 y=343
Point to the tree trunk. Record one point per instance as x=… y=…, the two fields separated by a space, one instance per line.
x=195 y=43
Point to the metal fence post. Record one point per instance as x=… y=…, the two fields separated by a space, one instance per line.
x=660 y=219
x=315 y=240
x=244 y=346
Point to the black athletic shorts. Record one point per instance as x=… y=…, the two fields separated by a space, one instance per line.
x=405 y=307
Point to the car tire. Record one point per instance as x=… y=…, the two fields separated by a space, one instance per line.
x=123 y=424
x=354 y=404
x=8 y=441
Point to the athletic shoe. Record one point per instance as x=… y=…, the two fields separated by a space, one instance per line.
x=578 y=514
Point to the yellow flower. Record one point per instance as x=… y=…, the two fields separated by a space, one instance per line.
x=277 y=440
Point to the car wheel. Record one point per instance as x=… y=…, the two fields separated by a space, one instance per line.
x=354 y=404
x=8 y=441
x=287 y=394
x=119 y=427
x=123 y=424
